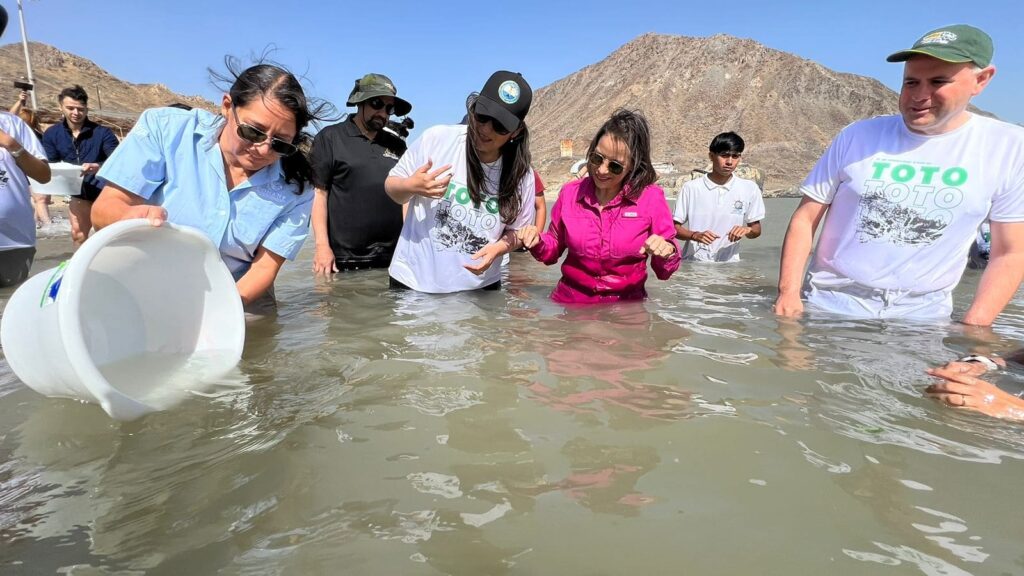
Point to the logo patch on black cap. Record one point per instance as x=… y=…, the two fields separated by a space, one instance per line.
x=509 y=92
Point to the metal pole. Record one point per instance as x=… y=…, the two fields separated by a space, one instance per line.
x=28 y=62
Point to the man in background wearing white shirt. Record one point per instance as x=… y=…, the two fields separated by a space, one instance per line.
x=714 y=212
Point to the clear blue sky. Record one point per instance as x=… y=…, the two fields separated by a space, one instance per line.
x=438 y=52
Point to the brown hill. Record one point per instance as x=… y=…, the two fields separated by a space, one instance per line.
x=785 y=107
x=111 y=101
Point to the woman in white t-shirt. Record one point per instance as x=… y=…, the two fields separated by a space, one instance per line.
x=468 y=189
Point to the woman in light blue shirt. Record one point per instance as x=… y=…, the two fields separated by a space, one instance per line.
x=237 y=176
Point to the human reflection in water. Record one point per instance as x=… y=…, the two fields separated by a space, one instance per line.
x=610 y=363
x=793 y=354
x=869 y=386
x=603 y=478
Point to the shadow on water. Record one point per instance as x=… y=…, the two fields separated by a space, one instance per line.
x=371 y=431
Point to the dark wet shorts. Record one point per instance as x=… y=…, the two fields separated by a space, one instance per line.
x=15 y=264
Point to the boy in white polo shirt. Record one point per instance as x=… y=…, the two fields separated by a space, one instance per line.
x=715 y=212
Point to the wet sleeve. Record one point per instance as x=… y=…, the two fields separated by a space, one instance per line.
x=552 y=242
x=139 y=164
x=287 y=234
x=662 y=225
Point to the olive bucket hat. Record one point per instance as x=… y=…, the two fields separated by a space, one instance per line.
x=373 y=86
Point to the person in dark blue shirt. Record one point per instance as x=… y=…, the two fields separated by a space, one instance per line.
x=78 y=140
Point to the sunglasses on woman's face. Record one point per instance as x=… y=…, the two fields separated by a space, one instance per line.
x=378 y=104
x=254 y=135
x=498 y=127
x=614 y=166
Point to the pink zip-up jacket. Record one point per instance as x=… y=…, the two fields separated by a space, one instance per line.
x=604 y=262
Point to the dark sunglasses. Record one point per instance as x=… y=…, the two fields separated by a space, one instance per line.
x=378 y=104
x=614 y=166
x=498 y=127
x=254 y=135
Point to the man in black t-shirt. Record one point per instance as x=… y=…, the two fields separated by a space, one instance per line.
x=355 y=223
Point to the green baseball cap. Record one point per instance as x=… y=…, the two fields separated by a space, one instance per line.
x=374 y=85
x=955 y=43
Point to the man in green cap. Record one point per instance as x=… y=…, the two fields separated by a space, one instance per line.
x=355 y=224
x=905 y=194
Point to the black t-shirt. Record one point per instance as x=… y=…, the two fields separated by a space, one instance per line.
x=363 y=223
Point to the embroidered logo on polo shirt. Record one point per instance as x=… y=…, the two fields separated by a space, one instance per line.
x=389 y=154
x=274 y=192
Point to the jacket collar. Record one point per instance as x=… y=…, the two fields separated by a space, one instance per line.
x=588 y=195
x=87 y=126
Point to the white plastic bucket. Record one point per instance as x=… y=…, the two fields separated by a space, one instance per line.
x=135 y=319
x=65 y=180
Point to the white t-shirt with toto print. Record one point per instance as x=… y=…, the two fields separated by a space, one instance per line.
x=439 y=236
x=904 y=207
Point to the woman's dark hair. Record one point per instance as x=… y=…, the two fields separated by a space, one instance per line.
x=268 y=81
x=631 y=129
x=727 y=142
x=515 y=165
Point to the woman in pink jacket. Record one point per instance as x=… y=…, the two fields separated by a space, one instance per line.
x=610 y=221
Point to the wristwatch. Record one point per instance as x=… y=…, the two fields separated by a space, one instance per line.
x=985 y=361
x=17 y=153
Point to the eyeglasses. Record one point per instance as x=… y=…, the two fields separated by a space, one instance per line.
x=614 y=166
x=733 y=155
x=378 y=104
x=498 y=127
x=254 y=135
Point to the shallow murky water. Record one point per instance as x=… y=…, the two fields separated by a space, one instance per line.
x=369 y=431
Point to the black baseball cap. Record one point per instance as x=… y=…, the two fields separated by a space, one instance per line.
x=506 y=97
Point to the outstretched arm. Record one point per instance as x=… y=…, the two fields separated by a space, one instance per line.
x=423 y=182
x=323 y=257
x=260 y=276
x=796 y=248
x=116 y=203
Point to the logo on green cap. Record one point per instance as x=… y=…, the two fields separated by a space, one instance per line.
x=940 y=37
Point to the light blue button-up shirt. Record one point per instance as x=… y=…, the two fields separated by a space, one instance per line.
x=171 y=158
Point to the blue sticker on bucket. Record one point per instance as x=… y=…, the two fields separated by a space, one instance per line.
x=53 y=286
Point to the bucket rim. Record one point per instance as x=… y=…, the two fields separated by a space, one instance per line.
x=69 y=308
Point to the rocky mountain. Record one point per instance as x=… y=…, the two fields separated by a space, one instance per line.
x=786 y=108
x=111 y=101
